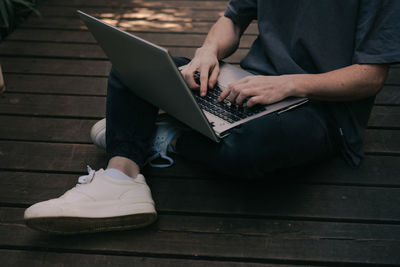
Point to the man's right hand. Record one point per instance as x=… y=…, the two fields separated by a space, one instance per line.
x=206 y=62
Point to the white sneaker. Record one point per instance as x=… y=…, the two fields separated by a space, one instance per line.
x=98 y=134
x=98 y=203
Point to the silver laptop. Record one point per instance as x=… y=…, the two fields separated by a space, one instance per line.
x=150 y=72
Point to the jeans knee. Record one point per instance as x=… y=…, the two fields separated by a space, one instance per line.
x=115 y=81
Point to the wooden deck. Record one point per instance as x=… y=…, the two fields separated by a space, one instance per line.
x=56 y=82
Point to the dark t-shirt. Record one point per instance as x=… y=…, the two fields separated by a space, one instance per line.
x=306 y=36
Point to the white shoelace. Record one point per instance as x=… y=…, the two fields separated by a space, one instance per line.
x=86 y=178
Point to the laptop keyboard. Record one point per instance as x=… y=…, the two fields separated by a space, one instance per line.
x=225 y=110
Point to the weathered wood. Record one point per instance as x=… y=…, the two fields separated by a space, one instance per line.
x=374 y=171
x=394 y=76
x=67 y=85
x=22 y=258
x=52 y=66
x=322 y=214
x=44 y=156
x=211 y=5
x=253 y=198
x=385 y=116
x=45 y=129
x=389 y=95
x=85 y=51
x=137 y=25
x=251 y=226
x=282 y=242
x=163 y=39
x=56 y=66
x=384 y=141
x=163 y=14
x=53 y=105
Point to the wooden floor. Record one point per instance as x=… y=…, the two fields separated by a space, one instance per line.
x=56 y=81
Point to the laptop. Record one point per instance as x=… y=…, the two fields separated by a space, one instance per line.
x=151 y=73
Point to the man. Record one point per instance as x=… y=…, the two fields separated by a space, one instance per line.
x=334 y=52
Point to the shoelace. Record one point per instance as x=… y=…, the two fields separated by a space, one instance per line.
x=85 y=179
x=160 y=147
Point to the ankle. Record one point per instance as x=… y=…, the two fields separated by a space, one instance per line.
x=125 y=165
x=117 y=174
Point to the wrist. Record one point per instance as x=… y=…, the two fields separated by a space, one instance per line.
x=208 y=49
x=300 y=84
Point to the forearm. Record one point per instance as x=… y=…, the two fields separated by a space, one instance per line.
x=345 y=84
x=223 y=38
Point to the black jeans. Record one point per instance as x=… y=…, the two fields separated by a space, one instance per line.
x=258 y=147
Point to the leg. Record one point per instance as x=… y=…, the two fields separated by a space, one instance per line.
x=111 y=199
x=266 y=144
x=130 y=126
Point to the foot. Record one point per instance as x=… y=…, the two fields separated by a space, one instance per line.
x=98 y=134
x=161 y=144
x=97 y=203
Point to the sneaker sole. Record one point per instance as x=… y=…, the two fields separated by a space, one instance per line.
x=78 y=225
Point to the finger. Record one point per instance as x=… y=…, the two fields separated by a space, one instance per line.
x=213 y=77
x=223 y=95
x=188 y=75
x=233 y=95
x=254 y=101
x=204 y=72
x=241 y=97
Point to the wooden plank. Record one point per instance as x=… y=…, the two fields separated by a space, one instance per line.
x=32 y=49
x=382 y=116
x=142 y=25
x=389 y=95
x=384 y=141
x=52 y=66
x=374 y=171
x=20 y=258
x=162 y=39
x=56 y=66
x=50 y=157
x=45 y=129
x=53 y=105
x=394 y=76
x=68 y=85
x=211 y=5
x=163 y=14
x=84 y=51
x=282 y=242
x=253 y=198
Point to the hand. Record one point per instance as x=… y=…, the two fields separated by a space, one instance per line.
x=206 y=62
x=260 y=90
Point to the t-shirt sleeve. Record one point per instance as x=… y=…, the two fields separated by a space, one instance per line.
x=242 y=12
x=377 y=35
